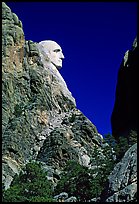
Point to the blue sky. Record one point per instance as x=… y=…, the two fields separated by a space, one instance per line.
x=94 y=37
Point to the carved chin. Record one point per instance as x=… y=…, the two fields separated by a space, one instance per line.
x=59 y=66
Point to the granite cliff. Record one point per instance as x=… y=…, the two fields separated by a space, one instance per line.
x=122 y=182
x=40 y=120
x=39 y=116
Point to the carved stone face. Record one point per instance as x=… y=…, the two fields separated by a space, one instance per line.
x=53 y=52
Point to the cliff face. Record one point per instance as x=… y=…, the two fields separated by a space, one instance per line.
x=124 y=115
x=122 y=182
x=39 y=116
x=40 y=120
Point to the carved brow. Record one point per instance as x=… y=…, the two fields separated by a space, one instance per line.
x=57 y=50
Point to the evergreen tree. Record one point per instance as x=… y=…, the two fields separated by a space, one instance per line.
x=76 y=181
x=121 y=145
x=132 y=137
x=30 y=186
x=83 y=182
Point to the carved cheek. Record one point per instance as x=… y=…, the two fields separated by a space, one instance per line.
x=53 y=56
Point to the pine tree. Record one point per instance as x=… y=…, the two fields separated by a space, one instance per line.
x=31 y=185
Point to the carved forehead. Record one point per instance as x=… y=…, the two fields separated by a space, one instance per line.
x=50 y=45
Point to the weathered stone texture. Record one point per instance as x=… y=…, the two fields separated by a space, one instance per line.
x=72 y=138
x=39 y=114
x=122 y=182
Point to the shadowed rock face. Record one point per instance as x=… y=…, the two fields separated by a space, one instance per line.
x=124 y=115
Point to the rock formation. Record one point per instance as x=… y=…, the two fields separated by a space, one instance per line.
x=122 y=182
x=124 y=115
x=40 y=120
x=39 y=116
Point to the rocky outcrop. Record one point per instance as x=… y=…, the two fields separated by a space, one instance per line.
x=72 y=139
x=63 y=197
x=124 y=115
x=40 y=120
x=122 y=182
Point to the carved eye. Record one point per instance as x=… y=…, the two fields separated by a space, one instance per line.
x=57 y=50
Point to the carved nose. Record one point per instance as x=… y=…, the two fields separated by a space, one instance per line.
x=62 y=56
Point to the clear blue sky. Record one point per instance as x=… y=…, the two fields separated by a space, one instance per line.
x=94 y=37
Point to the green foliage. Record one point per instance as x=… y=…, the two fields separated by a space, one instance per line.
x=132 y=137
x=14 y=194
x=121 y=145
x=104 y=161
x=110 y=140
x=30 y=186
x=75 y=181
x=86 y=183
x=18 y=109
